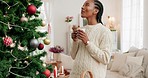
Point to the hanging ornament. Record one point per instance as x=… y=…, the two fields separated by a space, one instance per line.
x=41 y=46
x=7 y=41
x=26 y=62
x=44 y=64
x=34 y=43
x=43 y=23
x=22 y=48
x=12 y=45
x=37 y=72
x=31 y=9
x=47 y=73
x=15 y=59
x=23 y=18
x=46 y=41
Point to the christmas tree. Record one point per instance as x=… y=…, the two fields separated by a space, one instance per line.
x=19 y=20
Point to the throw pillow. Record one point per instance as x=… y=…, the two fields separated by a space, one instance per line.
x=119 y=60
x=131 y=70
x=132 y=66
x=145 y=59
x=137 y=60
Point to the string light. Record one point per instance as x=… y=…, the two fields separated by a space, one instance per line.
x=9 y=5
x=10 y=52
x=9 y=26
x=18 y=68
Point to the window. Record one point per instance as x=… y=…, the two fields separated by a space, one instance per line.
x=132 y=24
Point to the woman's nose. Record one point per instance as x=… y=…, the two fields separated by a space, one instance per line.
x=82 y=7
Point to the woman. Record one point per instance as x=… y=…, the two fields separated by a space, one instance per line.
x=91 y=48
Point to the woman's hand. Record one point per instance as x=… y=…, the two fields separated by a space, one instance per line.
x=82 y=36
x=74 y=36
x=74 y=33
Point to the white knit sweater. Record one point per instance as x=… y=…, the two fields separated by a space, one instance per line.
x=95 y=55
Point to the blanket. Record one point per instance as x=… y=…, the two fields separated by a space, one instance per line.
x=132 y=70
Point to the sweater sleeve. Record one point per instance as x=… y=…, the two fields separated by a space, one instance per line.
x=101 y=53
x=74 y=49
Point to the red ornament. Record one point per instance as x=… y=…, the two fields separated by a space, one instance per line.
x=47 y=73
x=41 y=46
x=31 y=9
x=7 y=41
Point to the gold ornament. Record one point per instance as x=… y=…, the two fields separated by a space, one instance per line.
x=44 y=64
x=46 y=41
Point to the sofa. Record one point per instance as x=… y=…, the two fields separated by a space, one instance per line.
x=131 y=64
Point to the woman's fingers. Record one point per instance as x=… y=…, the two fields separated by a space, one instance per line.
x=81 y=35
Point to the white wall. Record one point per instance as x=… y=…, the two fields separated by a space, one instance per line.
x=113 y=8
x=63 y=8
x=145 y=34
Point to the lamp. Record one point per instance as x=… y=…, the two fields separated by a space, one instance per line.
x=111 y=23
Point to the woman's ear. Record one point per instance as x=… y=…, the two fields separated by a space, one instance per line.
x=95 y=11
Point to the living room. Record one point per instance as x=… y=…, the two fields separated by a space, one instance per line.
x=112 y=8
x=126 y=19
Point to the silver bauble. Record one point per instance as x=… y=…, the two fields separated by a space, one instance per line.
x=34 y=43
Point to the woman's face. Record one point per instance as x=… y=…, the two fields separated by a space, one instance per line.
x=87 y=9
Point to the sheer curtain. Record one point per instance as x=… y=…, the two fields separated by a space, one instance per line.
x=132 y=24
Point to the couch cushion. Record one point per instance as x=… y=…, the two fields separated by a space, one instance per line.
x=137 y=60
x=119 y=60
x=132 y=67
x=146 y=72
x=145 y=59
x=131 y=70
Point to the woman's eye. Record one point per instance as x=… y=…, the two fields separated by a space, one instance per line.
x=87 y=4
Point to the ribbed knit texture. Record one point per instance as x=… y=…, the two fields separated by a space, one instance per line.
x=95 y=55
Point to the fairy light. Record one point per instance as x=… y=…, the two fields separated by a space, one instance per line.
x=19 y=68
x=16 y=67
x=9 y=5
x=13 y=55
x=9 y=26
